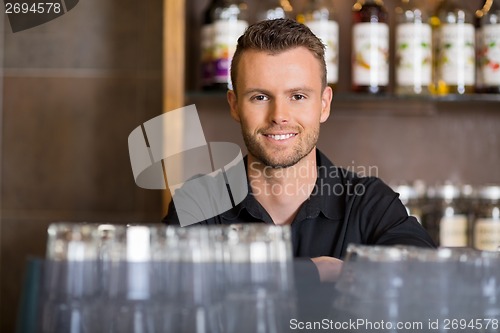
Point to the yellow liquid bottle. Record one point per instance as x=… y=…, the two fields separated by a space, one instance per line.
x=454 y=49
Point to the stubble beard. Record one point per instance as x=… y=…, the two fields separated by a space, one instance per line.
x=280 y=158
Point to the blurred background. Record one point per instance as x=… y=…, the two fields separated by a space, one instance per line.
x=74 y=88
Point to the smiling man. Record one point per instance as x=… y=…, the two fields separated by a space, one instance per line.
x=280 y=120
x=280 y=98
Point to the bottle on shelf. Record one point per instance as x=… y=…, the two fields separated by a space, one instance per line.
x=488 y=40
x=454 y=49
x=319 y=17
x=370 y=47
x=207 y=42
x=479 y=47
x=413 y=49
x=230 y=22
x=272 y=9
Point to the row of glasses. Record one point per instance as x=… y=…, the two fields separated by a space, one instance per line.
x=405 y=284
x=154 y=278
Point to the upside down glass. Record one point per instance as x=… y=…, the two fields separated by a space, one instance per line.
x=71 y=292
x=259 y=295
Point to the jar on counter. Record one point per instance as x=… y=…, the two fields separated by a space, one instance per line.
x=487 y=223
x=449 y=222
x=411 y=198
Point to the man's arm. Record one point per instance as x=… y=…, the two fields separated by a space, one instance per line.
x=385 y=219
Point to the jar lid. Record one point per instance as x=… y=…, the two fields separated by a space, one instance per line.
x=448 y=192
x=490 y=192
x=406 y=192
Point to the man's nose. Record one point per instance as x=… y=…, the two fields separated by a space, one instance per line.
x=279 y=113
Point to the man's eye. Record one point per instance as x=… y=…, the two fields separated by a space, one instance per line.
x=298 y=97
x=260 y=98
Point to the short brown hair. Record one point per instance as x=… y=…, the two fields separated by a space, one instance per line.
x=276 y=36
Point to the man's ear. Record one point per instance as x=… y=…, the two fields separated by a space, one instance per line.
x=233 y=104
x=326 y=101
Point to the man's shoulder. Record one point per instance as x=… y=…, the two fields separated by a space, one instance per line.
x=351 y=175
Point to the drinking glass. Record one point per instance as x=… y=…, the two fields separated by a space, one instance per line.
x=70 y=283
x=259 y=293
x=132 y=283
x=191 y=281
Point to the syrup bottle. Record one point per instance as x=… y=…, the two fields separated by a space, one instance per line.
x=370 y=47
x=230 y=22
x=207 y=42
x=413 y=49
x=319 y=17
x=454 y=49
x=488 y=62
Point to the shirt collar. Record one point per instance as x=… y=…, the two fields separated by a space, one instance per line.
x=326 y=198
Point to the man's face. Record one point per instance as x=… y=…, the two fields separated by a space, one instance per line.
x=280 y=104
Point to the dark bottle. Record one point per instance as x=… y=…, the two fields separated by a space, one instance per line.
x=207 y=43
x=488 y=39
x=370 y=47
x=479 y=47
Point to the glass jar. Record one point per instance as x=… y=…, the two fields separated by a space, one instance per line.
x=487 y=223
x=411 y=198
x=448 y=220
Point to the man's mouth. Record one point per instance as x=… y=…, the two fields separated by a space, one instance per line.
x=280 y=137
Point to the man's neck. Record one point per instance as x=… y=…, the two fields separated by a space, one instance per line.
x=281 y=191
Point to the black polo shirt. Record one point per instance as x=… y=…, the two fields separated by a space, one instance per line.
x=342 y=209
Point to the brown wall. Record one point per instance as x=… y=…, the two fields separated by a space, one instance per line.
x=73 y=90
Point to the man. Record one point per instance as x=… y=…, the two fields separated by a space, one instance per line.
x=280 y=98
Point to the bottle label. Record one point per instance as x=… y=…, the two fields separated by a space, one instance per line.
x=479 y=58
x=371 y=54
x=453 y=231
x=413 y=54
x=456 y=59
x=487 y=234
x=226 y=34
x=489 y=55
x=206 y=54
x=328 y=32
